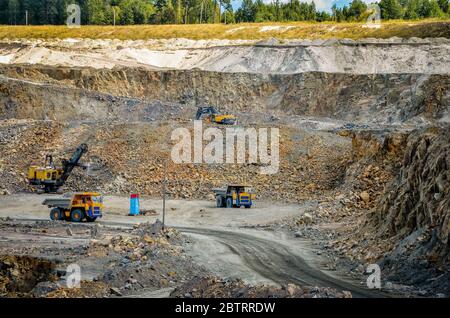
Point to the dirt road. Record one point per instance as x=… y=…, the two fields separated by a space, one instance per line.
x=274 y=261
x=223 y=240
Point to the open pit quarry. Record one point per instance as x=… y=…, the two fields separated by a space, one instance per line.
x=364 y=174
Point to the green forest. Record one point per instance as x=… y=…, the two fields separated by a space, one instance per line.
x=128 y=12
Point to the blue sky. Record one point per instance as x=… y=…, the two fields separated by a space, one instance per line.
x=320 y=4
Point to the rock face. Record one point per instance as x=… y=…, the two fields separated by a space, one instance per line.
x=399 y=203
x=375 y=145
x=420 y=195
x=37 y=92
x=129 y=157
x=22 y=99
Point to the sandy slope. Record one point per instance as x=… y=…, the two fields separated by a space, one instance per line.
x=370 y=56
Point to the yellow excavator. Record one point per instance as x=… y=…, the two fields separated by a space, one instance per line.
x=212 y=115
x=51 y=177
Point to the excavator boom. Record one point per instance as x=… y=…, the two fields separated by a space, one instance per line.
x=68 y=165
x=213 y=116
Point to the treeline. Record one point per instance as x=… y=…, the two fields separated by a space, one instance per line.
x=393 y=9
x=258 y=11
x=126 y=12
x=357 y=10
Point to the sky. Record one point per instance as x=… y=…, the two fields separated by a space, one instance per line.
x=321 y=5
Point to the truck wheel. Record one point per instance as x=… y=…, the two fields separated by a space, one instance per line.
x=247 y=206
x=49 y=189
x=89 y=219
x=229 y=202
x=219 y=202
x=56 y=214
x=76 y=215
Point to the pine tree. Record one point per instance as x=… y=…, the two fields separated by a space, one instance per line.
x=444 y=5
x=431 y=9
x=356 y=10
x=179 y=14
x=13 y=9
x=391 y=9
x=246 y=13
x=126 y=12
x=412 y=9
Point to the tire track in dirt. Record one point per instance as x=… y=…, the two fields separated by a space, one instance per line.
x=270 y=259
x=276 y=262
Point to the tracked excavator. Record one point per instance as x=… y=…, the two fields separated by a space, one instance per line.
x=50 y=177
x=212 y=115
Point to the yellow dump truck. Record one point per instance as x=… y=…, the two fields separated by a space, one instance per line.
x=76 y=207
x=234 y=196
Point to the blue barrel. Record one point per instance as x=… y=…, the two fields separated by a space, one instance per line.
x=134 y=204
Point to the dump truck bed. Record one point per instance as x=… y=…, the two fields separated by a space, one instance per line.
x=58 y=202
x=221 y=191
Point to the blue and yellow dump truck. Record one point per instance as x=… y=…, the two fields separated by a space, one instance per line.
x=76 y=207
x=234 y=196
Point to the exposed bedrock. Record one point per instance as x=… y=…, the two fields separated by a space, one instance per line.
x=132 y=93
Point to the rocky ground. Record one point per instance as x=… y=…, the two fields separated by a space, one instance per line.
x=114 y=261
x=139 y=261
x=364 y=159
x=214 y=287
x=120 y=160
x=408 y=240
x=345 y=222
